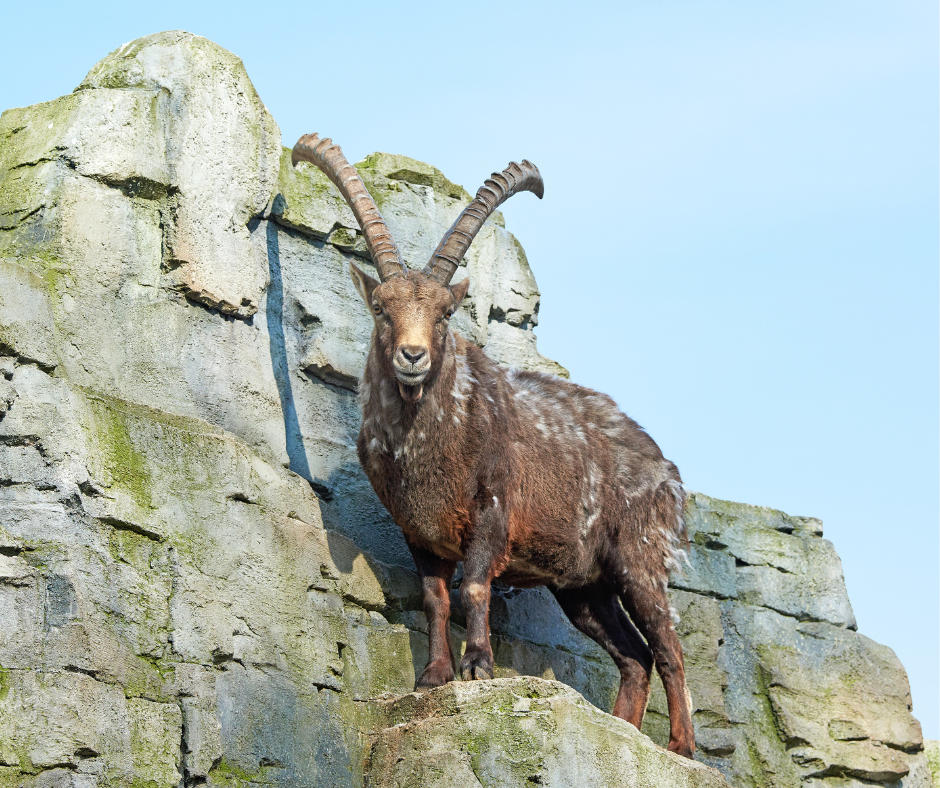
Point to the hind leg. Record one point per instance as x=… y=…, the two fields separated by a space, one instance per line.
x=648 y=606
x=597 y=613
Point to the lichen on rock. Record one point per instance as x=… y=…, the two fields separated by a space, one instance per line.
x=523 y=731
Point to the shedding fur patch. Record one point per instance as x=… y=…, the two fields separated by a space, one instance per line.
x=590 y=498
x=673 y=534
x=463 y=385
x=382 y=413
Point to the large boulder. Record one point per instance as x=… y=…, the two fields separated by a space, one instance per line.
x=515 y=732
x=197 y=583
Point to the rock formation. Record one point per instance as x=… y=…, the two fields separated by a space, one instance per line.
x=197 y=584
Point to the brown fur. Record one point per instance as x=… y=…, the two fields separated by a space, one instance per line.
x=524 y=477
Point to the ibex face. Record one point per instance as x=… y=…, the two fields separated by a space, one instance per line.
x=411 y=314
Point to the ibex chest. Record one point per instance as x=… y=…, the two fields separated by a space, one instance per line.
x=413 y=472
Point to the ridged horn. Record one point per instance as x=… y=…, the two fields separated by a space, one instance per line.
x=498 y=188
x=329 y=158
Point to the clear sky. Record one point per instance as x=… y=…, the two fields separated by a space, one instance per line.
x=739 y=236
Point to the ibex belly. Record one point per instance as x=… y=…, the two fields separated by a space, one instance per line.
x=548 y=551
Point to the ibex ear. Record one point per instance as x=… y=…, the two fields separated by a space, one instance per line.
x=364 y=283
x=459 y=290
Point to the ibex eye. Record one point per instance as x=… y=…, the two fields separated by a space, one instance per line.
x=377 y=309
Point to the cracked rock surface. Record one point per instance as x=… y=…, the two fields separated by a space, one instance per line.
x=521 y=731
x=197 y=584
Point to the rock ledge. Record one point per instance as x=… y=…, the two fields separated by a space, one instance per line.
x=515 y=732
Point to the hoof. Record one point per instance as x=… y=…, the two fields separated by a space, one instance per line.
x=476 y=667
x=434 y=675
x=680 y=748
x=476 y=673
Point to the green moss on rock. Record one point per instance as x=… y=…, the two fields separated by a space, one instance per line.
x=155 y=742
x=228 y=775
x=402 y=168
x=932 y=751
x=521 y=731
x=29 y=135
x=127 y=468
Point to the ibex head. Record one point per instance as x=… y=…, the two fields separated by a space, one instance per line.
x=412 y=309
x=411 y=313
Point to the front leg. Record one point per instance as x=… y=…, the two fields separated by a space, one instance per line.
x=436 y=575
x=487 y=547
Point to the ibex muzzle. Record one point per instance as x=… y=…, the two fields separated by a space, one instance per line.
x=524 y=477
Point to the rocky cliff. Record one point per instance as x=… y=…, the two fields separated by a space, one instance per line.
x=197 y=584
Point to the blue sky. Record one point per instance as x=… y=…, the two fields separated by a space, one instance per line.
x=739 y=236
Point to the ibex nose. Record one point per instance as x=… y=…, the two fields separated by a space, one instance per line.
x=412 y=353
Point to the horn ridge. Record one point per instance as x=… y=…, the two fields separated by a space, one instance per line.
x=496 y=189
x=329 y=158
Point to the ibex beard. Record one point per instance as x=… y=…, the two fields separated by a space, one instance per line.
x=522 y=476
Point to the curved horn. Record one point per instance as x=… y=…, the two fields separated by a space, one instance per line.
x=498 y=188
x=329 y=158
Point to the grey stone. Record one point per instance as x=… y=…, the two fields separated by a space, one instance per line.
x=782 y=563
x=709 y=572
x=222 y=151
x=25 y=318
x=54 y=719
x=839 y=703
x=509 y=732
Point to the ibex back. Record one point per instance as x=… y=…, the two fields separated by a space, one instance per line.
x=522 y=476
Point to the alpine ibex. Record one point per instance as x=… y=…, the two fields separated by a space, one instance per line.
x=522 y=476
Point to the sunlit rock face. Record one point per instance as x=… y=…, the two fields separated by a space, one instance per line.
x=197 y=583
